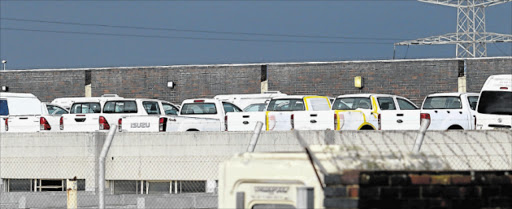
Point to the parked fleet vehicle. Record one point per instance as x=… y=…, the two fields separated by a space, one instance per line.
x=201 y=114
x=130 y=114
x=286 y=113
x=494 y=108
x=450 y=110
x=375 y=112
x=24 y=112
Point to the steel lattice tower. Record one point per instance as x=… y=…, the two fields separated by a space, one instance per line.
x=471 y=37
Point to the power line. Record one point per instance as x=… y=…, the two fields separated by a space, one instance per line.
x=192 y=38
x=222 y=0
x=200 y=31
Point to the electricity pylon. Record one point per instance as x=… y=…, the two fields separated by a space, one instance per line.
x=471 y=37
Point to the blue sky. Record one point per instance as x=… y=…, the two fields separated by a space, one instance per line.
x=170 y=32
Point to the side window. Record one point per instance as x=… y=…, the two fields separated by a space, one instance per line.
x=230 y=107
x=472 y=101
x=169 y=109
x=386 y=103
x=405 y=105
x=151 y=108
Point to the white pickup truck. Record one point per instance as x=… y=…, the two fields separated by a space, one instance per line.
x=450 y=110
x=375 y=112
x=201 y=115
x=494 y=108
x=22 y=112
x=130 y=114
x=287 y=113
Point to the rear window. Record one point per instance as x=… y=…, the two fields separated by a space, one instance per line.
x=120 y=107
x=286 y=105
x=442 y=103
x=495 y=102
x=86 y=107
x=352 y=103
x=4 y=109
x=198 y=108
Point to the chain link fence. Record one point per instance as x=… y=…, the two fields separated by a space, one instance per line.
x=180 y=170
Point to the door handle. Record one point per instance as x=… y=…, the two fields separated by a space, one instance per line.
x=245 y=116
x=313 y=115
x=312 y=121
x=245 y=122
x=399 y=121
x=400 y=115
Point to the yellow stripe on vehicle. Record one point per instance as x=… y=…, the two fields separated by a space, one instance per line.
x=365 y=123
x=266 y=119
x=375 y=108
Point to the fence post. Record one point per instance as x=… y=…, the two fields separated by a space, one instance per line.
x=103 y=155
x=22 y=202
x=141 y=203
x=255 y=136
x=421 y=135
x=71 y=187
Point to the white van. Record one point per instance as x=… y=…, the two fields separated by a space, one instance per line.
x=494 y=108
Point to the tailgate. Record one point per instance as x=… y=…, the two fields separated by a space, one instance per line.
x=140 y=123
x=24 y=124
x=81 y=122
x=314 y=120
x=400 y=120
x=244 y=121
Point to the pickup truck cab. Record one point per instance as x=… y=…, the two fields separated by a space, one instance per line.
x=494 y=108
x=21 y=112
x=375 y=112
x=202 y=114
x=450 y=110
x=287 y=113
x=66 y=102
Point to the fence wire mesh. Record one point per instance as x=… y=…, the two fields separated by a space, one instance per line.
x=180 y=170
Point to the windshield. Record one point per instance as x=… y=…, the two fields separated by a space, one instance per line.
x=286 y=105
x=442 y=103
x=495 y=102
x=198 y=108
x=352 y=103
x=88 y=107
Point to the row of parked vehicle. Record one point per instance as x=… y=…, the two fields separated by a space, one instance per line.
x=489 y=109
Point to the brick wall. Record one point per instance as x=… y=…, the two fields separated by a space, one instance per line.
x=46 y=85
x=190 y=81
x=479 y=70
x=414 y=189
x=412 y=79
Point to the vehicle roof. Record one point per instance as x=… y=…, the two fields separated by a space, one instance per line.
x=205 y=99
x=365 y=95
x=452 y=94
x=18 y=95
x=250 y=96
x=296 y=96
x=498 y=83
